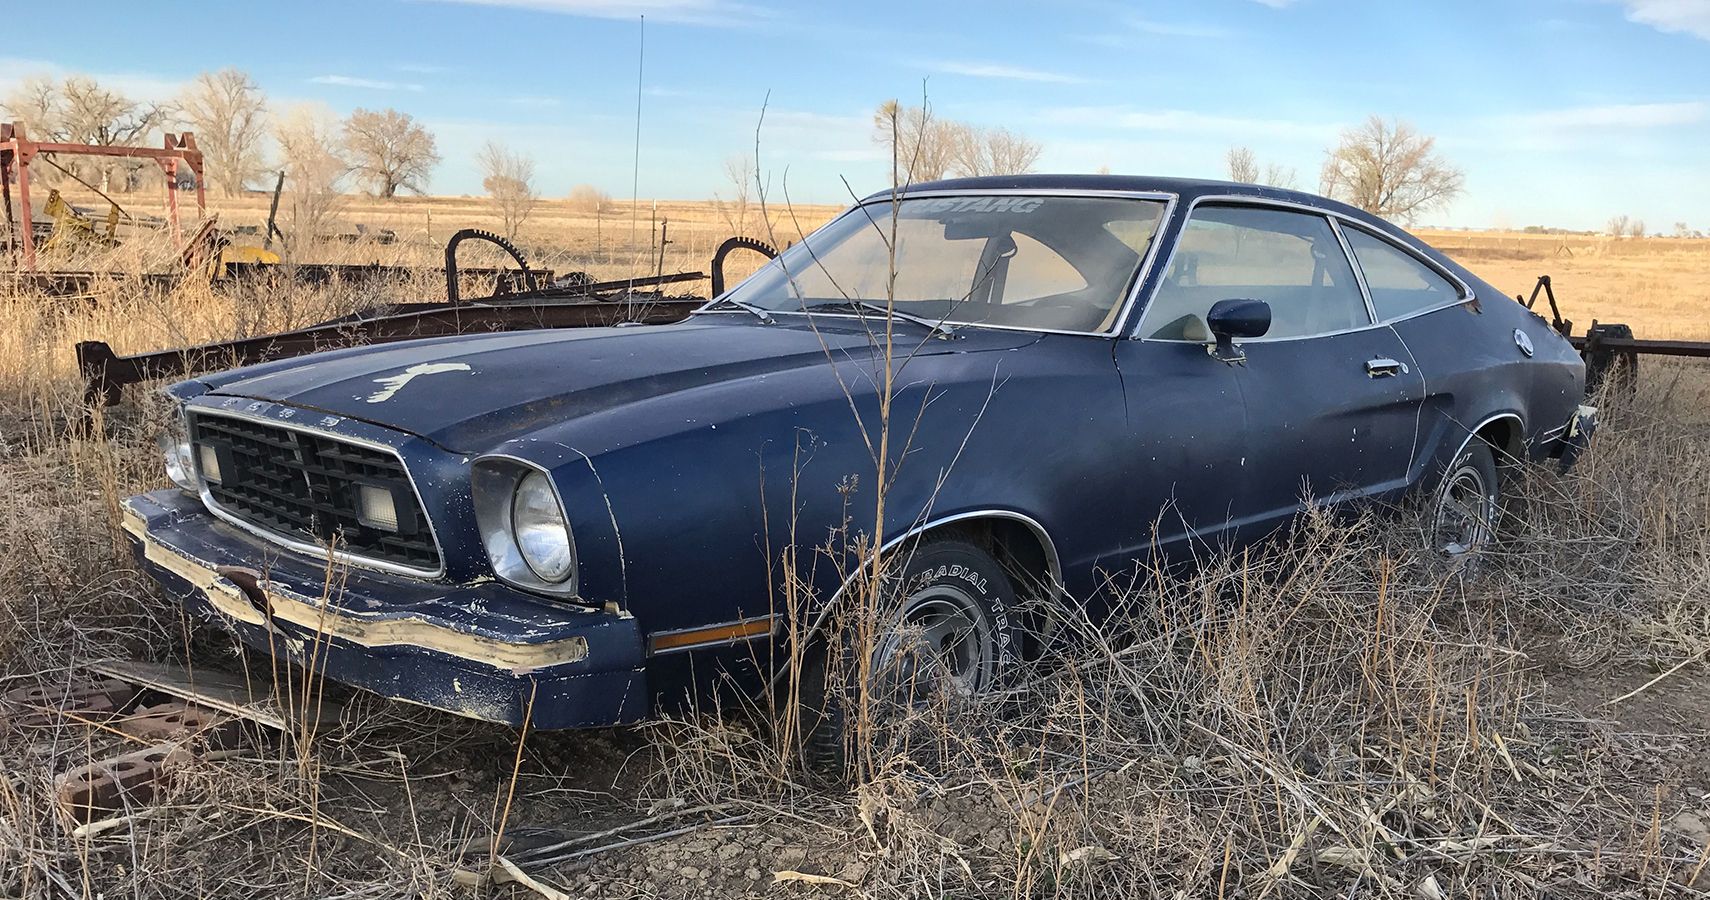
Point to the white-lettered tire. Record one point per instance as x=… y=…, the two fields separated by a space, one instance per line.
x=945 y=623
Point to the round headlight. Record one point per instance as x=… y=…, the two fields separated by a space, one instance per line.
x=179 y=466
x=538 y=526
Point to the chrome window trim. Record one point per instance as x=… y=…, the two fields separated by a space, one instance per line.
x=574 y=582
x=908 y=194
x=1118 y=327
x=315 y=550
x=1359 y=274
x=1336 y=218
x=1466 y=291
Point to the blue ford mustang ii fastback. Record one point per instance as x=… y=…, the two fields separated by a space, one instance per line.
x=589 y=526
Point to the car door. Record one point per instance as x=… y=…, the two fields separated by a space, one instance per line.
x=1470 y=368
x=1186 y=448
x=1331 y=400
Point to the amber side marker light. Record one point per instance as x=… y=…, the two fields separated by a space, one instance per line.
x=730 y=632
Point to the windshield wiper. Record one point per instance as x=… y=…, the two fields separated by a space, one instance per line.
x=939 y=330
x=764 y=316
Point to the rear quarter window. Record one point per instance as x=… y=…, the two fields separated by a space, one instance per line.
x=1400 y=284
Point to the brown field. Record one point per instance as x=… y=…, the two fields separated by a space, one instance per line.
x=1657 y=285
x=1353 y=721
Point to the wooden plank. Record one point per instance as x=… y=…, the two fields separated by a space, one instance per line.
x=224 y=691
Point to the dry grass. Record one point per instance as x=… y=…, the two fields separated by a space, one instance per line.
x=1336 y=715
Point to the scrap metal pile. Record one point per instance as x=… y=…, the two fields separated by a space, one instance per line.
x=145 y=723
x=520 y=298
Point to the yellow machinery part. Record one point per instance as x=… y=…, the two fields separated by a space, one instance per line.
x=69 y=225
x=248 y=254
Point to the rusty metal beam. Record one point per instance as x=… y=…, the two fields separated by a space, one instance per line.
x=588 y=288
x=105 y=373
x=1635 y=345
x=71 y=284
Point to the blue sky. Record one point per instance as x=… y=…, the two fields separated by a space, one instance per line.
x=1561 y=112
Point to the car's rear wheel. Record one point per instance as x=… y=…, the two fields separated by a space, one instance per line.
x=1468 y=504
x=944 y=626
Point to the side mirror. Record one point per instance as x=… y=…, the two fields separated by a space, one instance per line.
x=1230 y=319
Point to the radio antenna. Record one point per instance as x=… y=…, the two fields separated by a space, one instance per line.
x=635 y=173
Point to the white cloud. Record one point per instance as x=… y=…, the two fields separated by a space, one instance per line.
x=1134 y=35
x=532 y=101
x=1673 y=16
x=673 y=93
x=135 y=85
x=1627 y=115
x=1177 y=29
x=998 y=70
x=685 y=12
x=1187 y=122
x=364 y=83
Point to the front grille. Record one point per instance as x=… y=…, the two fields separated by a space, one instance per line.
x=303 y=486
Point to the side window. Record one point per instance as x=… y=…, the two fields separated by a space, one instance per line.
x=1290 y=260
x=1399 y=284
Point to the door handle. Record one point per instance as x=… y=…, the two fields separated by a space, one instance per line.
x=1383 y=367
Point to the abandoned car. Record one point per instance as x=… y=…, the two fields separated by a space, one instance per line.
x=586 y=527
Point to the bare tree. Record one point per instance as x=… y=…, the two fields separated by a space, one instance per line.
x=38 y=105
x=991 y=151
x=739 y=170
x=1617 y=226
x=1389 y=169
x=1636 y=228
x=1279 y=176
x=389 y=151
x=1682 y=230
x=929 y=148
x=95 y=115
x=1243 y=168
x=508 y=177
x=590 y=200
x=923 y=145
x=228 y=112
x=315 y=169
x=79 y=110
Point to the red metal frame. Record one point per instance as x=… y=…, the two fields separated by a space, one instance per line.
x=16 y=151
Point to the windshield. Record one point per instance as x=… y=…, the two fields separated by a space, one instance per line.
x=1060 y=263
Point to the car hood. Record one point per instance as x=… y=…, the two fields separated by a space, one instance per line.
x=466 y=393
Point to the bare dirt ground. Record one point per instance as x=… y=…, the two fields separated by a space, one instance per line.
x=1358 y=722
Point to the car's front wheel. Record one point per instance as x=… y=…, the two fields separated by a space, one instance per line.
x=943 y=624
x=1468 y=504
